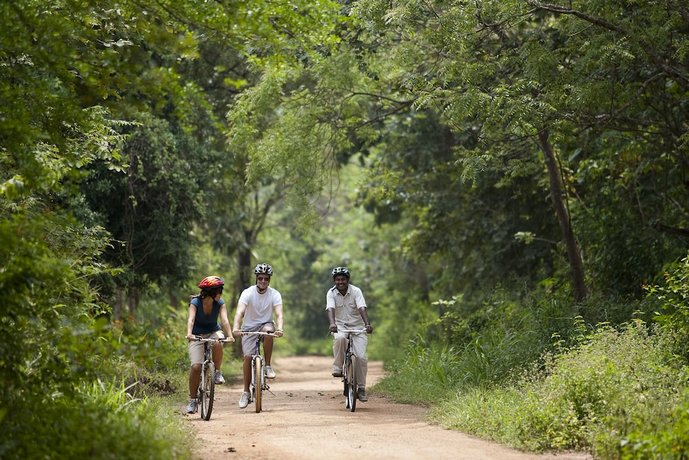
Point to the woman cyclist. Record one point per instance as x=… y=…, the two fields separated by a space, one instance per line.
x=204 y=310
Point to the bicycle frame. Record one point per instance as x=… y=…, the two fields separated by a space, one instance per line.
x=349 y=368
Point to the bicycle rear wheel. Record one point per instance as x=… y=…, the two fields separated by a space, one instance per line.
x=351 y=384
x=207 y=390
x=258 y=383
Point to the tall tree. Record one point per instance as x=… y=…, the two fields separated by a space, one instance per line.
x=577 y=82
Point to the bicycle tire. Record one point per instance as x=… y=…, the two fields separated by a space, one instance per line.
x=258 y=379
x=208 y=390
x=200 y=391
x=345 y=391
x=346 y=372
x=352 y=384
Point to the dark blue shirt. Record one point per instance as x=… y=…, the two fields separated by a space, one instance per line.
x=203 y=323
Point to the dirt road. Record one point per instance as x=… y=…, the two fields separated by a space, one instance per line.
x=304 y=418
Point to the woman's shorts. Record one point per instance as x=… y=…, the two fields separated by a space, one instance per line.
x=196 y=348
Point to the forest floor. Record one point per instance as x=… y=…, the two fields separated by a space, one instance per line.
x=304 y=418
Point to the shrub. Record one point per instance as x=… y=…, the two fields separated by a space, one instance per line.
x=102 y=422
x=593 y=396
x=667 y=438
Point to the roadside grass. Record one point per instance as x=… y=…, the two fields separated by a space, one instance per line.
x=101 y=421
x=617 y=394
x=130 y=407
x=424 y=376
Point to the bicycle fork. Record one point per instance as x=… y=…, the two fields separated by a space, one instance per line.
x=263 y=384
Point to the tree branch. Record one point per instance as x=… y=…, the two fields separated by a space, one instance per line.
x=683 y=232
x=647 y=47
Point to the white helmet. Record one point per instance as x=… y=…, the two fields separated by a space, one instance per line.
x=341 y=271
x=263 y=269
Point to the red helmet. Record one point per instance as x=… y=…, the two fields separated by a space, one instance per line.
x=211 y=282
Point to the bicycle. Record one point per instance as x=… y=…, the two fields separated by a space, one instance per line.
x=349 y=376
x=206 y=391
x=259 y=382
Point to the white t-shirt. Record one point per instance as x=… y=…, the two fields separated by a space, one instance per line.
x=259 y=307
x=346 y=307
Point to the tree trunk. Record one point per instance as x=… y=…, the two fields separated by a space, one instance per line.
x=559 y=201
x=243 y=273
x=133 y=302
x=119 y=304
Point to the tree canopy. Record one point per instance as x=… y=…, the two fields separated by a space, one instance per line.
x=476 y=163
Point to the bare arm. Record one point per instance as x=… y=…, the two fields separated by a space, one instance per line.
x=364 y=316
x=241 y=308
x=278 y=319
x=190 y=321
x=225 y=323
x=331 y=319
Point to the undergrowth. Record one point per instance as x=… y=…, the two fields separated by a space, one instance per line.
x=101 y=422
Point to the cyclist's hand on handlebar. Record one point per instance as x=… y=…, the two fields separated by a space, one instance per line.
x=191 y=337
x=369 y=329
x=237 y=332
x=332 y=328
x=279 y=333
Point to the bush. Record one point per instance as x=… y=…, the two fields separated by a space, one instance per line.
x=671 y=299
x=668 y=439
x=102 y=422
x=614 y=384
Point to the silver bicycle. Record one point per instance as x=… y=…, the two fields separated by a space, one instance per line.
x=206 y=392
x=259 y=382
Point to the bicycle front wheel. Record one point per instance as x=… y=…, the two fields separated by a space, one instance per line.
x=351 y=384
x=207 y=390
x=258 y=383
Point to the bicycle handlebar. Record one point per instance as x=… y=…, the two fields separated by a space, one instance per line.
x=355 y=331
x=272 y=334
x=198 y=338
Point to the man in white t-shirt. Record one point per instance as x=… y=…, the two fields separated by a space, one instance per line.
x=257 y=305
x=346 y=309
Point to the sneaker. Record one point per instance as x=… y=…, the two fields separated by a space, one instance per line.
x=337 y=373
x=244 y=400
x=361 y=395
x=219 y=379
x=270 y=373
x=192 y=407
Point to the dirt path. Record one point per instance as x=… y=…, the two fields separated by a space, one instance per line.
x=305 y=418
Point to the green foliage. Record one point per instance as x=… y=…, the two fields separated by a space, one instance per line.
x=150 y=210
x=101 y=422
x=671 y=300
x=588 y=397
x=666 y=438
x=497 y=72
x=48 y=304
x=466 y=349
x=425 y=375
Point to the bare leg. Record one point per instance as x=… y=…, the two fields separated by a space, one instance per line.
x=194 y=379
x=247 y=372
x=268 y=348
x=217 y=355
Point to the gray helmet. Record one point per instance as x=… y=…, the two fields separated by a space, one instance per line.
x=263 y=269
x=341 y=271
